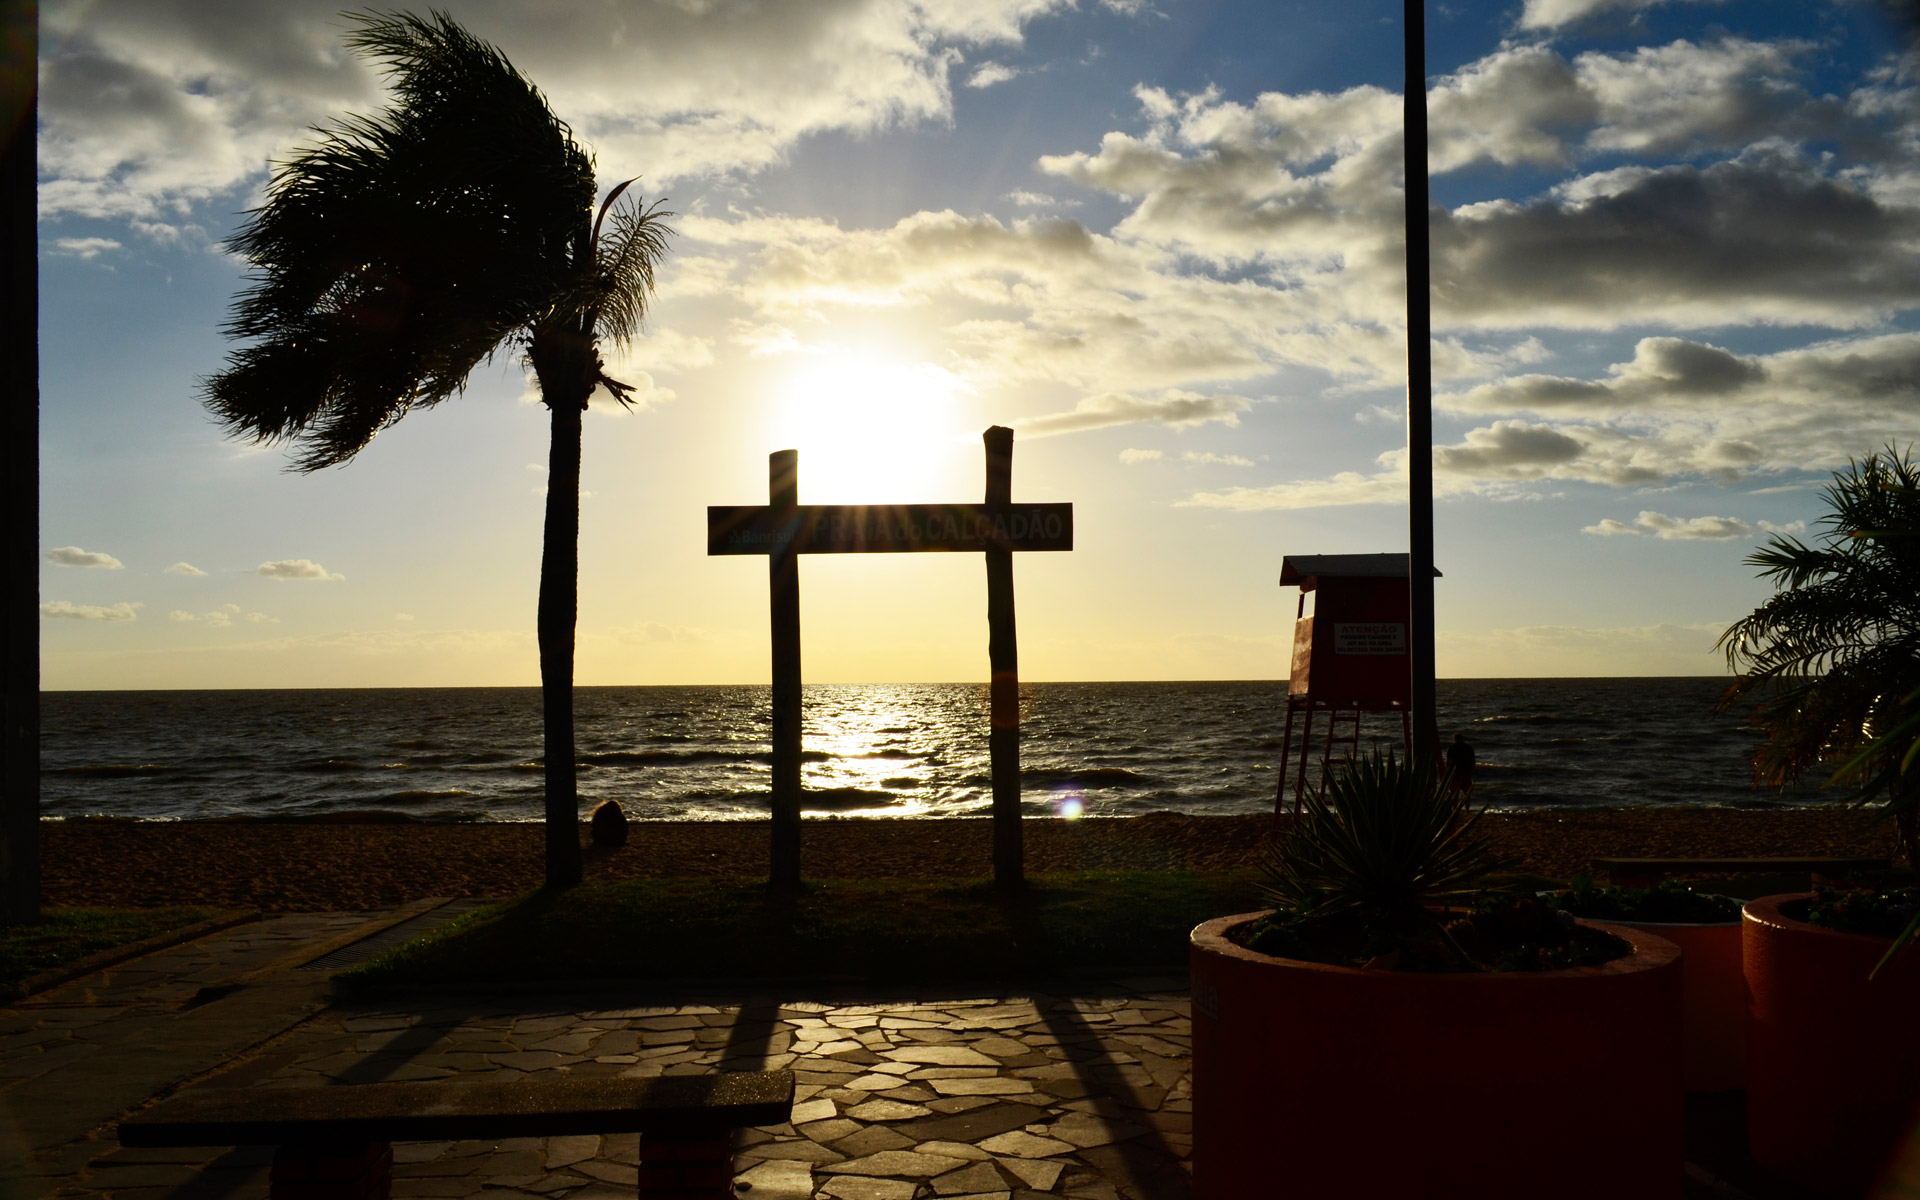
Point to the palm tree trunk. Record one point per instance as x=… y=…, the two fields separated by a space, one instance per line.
x=559 y=613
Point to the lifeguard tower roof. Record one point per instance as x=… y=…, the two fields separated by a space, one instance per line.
x=1305 y=570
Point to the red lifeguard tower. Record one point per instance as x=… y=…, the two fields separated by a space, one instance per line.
x=1349 y=655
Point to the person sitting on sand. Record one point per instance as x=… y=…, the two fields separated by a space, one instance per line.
x=1460 y=766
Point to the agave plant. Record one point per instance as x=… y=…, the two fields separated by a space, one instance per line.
x=1362 y=868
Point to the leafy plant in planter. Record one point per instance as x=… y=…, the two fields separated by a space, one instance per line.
x=1390 y=984
x=1386 y=870
x=1887 y=912
x=1665 y=903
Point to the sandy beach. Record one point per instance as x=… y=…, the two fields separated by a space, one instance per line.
x=335 y=865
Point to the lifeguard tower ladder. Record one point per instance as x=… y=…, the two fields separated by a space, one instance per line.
x=1349 y=658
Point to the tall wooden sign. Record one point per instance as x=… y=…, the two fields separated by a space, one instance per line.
x=784 y=529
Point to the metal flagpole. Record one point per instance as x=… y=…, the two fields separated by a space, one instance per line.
x=1426 y=734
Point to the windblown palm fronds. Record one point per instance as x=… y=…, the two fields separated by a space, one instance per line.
x=403 y=250
x=1833 y=658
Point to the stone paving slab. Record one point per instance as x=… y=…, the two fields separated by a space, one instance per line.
x=1008 y=1096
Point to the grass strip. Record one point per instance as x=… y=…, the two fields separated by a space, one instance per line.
x=66 y=935
x=915 y=930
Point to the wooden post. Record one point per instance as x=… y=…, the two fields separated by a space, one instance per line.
x=1420 y=615
x=1003 y=659
x=20 y=489
x=783 y=582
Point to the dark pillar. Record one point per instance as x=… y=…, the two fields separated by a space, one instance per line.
x=1420 y=621
x=783 y=585
x=1003 y=658
x=20 y=478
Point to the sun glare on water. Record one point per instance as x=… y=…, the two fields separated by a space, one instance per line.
x=870 y=429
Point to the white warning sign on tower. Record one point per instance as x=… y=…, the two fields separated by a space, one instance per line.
x=1370 y=637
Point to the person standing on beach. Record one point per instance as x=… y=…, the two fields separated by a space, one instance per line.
x=1460 y=765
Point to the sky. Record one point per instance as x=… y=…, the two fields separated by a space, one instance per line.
x=1675 y=288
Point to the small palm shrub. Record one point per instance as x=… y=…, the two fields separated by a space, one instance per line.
x=1361 y=876
x=1833 y=657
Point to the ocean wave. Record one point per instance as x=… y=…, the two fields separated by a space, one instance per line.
x=648 y=758
x=110 y=770
x=1094 y=777
x=842 y=799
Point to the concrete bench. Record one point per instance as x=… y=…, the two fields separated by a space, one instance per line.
x=335 y=1143
x=1645 y=872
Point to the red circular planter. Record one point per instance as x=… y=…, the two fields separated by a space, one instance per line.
x=1833 y=1067
x=1713 y=988
x=1331 y=1082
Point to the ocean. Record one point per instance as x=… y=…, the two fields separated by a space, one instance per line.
x=892 y=750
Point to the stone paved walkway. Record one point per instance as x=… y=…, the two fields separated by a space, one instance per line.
x=1008 y=1096
x=77 y=1056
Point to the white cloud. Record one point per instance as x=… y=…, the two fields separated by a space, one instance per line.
x=1345 y=488
x=147 y=106
x=1688 y=409
x=1525 y=104
x=1132 y=457
x=1027 y=199
x=1198 y=458
x=403 y=616
x=184 y=568
x=222 y=617
x=84 y=247
x=1608 y=527
x=74 y=556
x=1041 y=300
x=1762 y=240
x=295 y=568
x=989 y=73
x=1172 y=408
x=1668 y=528
x=1557 y=14
x=66 y=610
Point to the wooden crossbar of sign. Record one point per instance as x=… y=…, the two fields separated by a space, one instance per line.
x=889 y=528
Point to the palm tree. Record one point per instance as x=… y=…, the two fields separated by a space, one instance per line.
x=403 y=250
x=1834 y=655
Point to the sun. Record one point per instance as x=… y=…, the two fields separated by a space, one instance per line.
x=870 y=428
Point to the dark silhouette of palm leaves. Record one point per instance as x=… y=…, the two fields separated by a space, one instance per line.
x=1834 y=655
x=401 y=251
